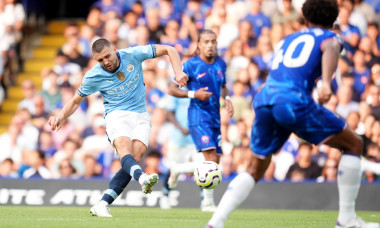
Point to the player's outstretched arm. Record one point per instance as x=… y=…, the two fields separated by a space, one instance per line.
x=330 y=56
x=175 y=60
x=55 y=122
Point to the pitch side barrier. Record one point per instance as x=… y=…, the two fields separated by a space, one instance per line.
x=317 y=196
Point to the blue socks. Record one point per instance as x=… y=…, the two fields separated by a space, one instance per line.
x=116 y=186
x=130 y=166
x=129 y=169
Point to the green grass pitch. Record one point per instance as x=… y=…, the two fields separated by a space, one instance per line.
x=28 y=216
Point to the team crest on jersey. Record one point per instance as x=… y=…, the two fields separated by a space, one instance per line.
x=120 y=76
x=205 y=139
x=220 y=74
x=130 y=67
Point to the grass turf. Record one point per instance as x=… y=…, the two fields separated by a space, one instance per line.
x=27 y=216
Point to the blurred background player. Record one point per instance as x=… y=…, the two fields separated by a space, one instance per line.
x=118 y=77
x=285 y=105
x=207 y=83
x=182 y=155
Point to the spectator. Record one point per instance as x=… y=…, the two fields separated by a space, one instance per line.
x=37 y=170
x=172 y=38
x=46 y=145
x=265 y=54
x=40 y=116
x=345 y=102
x=94 y=20
x=105 y=6
x=92 y=168
x=97 y=143
x=128 y=29
x=50 y=91
x=67 y=170
x=286 y=14
x=258 y=20
x=304 y=164
x=373 y=99
x=374 y=36
x=329 y=171
x=350 y=33
x=111 y=29
x=239 y=102
x=6 y=169
x=360 y=71
x=28 y=90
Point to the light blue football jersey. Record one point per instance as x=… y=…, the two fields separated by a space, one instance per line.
x=124 y=89
x=202 y=74
x=180 y=107
x=296 y=67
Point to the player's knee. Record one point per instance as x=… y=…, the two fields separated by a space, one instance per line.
x=358 y=145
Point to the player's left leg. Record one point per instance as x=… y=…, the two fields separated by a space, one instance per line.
x=238 y=190
x=267 y=137
x=115 y=188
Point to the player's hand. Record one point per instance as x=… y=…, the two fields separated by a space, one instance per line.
x=324 y=93
x=181 y=79
x=55 y=123
x=229 y=107
x=185 y=131
x=202 y=94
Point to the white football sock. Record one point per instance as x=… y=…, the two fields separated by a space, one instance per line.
x=208 y=196
x=349 y=177
x=187 y=167
x=237 y=191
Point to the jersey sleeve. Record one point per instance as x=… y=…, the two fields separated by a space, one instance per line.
x=86 y=87
x=142 y=52
x=224 y=68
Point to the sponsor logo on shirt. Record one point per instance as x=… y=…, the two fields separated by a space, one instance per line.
x=120 y=76
x=205 y=139
x=201 y=75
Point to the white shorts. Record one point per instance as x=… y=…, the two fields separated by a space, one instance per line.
x=130 y=124
x=178 y=155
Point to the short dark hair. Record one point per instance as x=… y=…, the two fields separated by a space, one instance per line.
x=306 y=144
x=205 y=31
x=321 y=12
x=100 y=44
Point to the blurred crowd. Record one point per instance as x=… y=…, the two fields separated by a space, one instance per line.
x=248 y=32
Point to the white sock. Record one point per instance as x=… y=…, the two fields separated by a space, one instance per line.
x=103 y=203
x=187 y=167
x=237 y=191
x=348 y=186
x=208 y=196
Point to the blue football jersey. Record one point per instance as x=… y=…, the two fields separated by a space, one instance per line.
x=295 y=68
x=202 y=74
x=124 y=89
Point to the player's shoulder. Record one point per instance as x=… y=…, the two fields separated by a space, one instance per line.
x=220 y=61
x=134 y=49
x=95 y=72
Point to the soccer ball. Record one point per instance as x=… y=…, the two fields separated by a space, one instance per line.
x=208 y=175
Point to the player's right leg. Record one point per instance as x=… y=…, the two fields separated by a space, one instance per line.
x=349 y=178
x=334 y=132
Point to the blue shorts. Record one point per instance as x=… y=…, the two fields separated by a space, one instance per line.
x=274 y=124
x=206 y=138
